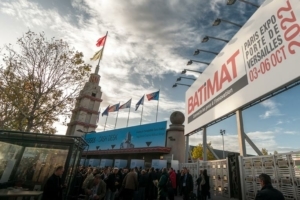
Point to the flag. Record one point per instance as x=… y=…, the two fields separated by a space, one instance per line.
x=105 y=111
x=97 y=55
x=153 y=96
x=101 y=41
x=140 y=102
x=114 y=108
x=126 y=105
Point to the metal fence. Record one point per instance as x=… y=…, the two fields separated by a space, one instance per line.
x=284 y=170
x=217 y=171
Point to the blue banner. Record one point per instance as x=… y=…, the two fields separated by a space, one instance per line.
x=147 y=135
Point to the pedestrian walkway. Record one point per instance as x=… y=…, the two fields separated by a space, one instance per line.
x=212 y=198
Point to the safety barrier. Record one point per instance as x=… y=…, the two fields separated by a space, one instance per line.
x=217 y=171
x=284 y=170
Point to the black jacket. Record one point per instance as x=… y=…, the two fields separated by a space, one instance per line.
x=53 y=188
x=189 y=184
x=269 y=193
x=111 y=180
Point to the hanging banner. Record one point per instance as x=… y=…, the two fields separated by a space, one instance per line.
x=261 y=58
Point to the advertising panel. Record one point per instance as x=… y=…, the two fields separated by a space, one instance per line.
x=159 y=164
x=94 y=162
x=106 y=163
x=119 y=163
x=148 y=135
x=261 y=58
x=137 y=163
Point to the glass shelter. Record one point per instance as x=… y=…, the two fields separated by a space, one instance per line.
x=28 y=159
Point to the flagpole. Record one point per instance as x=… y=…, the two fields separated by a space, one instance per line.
x=142 y=114
x=105 y=122
x=117 y=116
x=128 y=115
x=157 y=104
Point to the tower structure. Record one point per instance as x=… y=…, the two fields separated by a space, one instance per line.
x=86 y=111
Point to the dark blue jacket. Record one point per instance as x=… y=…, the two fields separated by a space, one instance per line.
x=269 y=193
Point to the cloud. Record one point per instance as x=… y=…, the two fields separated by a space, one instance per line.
x=149 y=43
x=272 y=109
x=262 y=139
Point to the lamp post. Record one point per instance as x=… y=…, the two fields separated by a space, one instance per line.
x=176 y=84
x=185 y=70
x=197 y=61
x=222 y=132
x=179 y=78
x=218 y=21
x=206 y=38
x=231 y=2
x=199 y=50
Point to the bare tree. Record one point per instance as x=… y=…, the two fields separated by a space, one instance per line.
x=39 y=82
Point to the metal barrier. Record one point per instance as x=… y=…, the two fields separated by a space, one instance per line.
x=217 y=171
x=284 y=170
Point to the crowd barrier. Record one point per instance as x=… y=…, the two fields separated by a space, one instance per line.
x=237 y=176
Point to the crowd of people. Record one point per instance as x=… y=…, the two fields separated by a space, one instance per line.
x=141 y=184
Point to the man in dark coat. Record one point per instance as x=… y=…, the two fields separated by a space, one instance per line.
x=187 y=184
x=54 y=185
x=162 y=185
x=267 y=191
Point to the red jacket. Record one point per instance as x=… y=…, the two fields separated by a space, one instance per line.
x=173 y=179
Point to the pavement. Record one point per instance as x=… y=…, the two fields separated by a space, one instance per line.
x=212 y=198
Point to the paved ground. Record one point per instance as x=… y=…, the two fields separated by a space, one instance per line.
x=213 y=198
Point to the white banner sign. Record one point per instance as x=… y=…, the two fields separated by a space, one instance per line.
x=261 y=58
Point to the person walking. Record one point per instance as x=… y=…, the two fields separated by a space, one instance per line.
x=205 y=186
x=96 y=188
x=53 y=188
x=187 y=184
x=198 y=182
x=267 y=192
x=112 y=184
x=130 y=184
x=162 y=185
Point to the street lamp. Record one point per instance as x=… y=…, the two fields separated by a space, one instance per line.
x=218 y=21
x=185 y=70
x=197 y=61
x=222 y=132
x=179 y=78
x=197 y=52
x=206 y=38
x=176 y=84
x=231 y=2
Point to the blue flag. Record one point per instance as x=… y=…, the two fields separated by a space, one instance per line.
x=105 y=111
x=140 y=102
x=153 y=96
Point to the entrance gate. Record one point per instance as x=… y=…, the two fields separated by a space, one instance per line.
x=218 y=173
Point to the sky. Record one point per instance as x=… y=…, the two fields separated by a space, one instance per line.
x=149 y=43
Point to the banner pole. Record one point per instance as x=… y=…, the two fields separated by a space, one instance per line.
x=128 y=116
x=117 y=117
x=157 y=105
x=105 y=122
x=142 y=115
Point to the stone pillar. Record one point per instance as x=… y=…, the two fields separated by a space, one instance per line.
x=175 y=136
